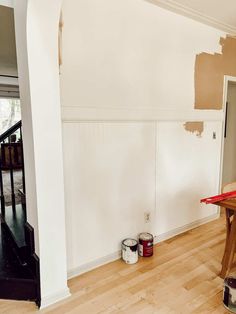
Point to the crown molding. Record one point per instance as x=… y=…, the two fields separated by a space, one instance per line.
x=176 y=7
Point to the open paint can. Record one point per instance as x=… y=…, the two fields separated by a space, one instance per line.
x=229 y=294
x=130 y=251
x=145 y=244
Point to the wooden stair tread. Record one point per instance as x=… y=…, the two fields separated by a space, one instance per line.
x=16 y=281
x=9 y=264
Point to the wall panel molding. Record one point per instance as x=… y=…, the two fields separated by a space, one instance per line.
x=79 y=114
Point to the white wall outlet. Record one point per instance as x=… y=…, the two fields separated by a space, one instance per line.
x=147 y=217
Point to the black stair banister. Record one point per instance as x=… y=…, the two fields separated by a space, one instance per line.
x=13 y=198
x=10 y=131
x=20 y=278
x=2 y=192
x=11 y=158
x=23 y=165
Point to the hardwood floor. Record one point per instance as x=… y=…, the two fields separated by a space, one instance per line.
x=181 y=277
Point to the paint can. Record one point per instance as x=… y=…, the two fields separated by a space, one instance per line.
x=130 y=251
x=145 y=244
x=229 y=294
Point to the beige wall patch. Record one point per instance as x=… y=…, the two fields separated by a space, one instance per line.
x=196 y=127
x=209 y=75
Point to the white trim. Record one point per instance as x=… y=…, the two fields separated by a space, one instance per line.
x=117 y=255
x=9 y=81
x=227 y=79
x=55 y=297
x=172 y=233
x=94 y=264
x=7 y=3
x=195 y=15
x=85 y=114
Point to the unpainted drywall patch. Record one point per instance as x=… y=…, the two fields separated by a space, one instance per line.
x=195 y=127
x=209 y=75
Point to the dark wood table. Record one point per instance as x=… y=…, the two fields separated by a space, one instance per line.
x=230 y=242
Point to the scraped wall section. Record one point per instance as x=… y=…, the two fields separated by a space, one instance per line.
x=209 y=74
x=127 y=88
x=195 y=127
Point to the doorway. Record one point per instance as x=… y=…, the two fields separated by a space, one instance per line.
x=229 y=159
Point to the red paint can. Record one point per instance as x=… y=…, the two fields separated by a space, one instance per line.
x=145 y=244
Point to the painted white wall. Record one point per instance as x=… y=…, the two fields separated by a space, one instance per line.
x=37 y=52
x=128 y=73
x=229 y=164
x=129 y=54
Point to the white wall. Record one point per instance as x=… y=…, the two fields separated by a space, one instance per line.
x=129 y=54
x=127 y=88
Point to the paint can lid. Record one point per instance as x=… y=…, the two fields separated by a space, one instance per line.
x=230 y=282
x=145 y=236
x=130 y=242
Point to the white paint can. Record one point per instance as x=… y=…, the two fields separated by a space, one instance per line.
x=229 y=294
x=130 y=251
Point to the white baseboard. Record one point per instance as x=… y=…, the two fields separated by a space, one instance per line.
x=117 y=255
x=174 y=232
x=55 y=297
x=94 y=264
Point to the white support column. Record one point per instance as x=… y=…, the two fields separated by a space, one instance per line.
x=37 y=52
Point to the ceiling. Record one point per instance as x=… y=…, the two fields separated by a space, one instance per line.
x=8 y=64
x=217 y=13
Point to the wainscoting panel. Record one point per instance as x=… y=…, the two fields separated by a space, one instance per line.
x=109 y=183
x=188 y=169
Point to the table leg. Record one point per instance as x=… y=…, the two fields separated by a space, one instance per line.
x=228 y=226
x=229 y=249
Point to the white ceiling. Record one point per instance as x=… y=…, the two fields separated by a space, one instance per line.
x=217 y=13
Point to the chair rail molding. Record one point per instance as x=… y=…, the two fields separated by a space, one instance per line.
x=78 y=114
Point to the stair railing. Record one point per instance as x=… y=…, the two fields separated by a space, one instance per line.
x=11 y=158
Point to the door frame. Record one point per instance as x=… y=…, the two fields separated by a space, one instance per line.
x=227 y=79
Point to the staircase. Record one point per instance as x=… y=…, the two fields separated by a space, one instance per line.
x=19 y=265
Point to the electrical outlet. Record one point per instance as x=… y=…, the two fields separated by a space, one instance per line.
x=147 y=217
